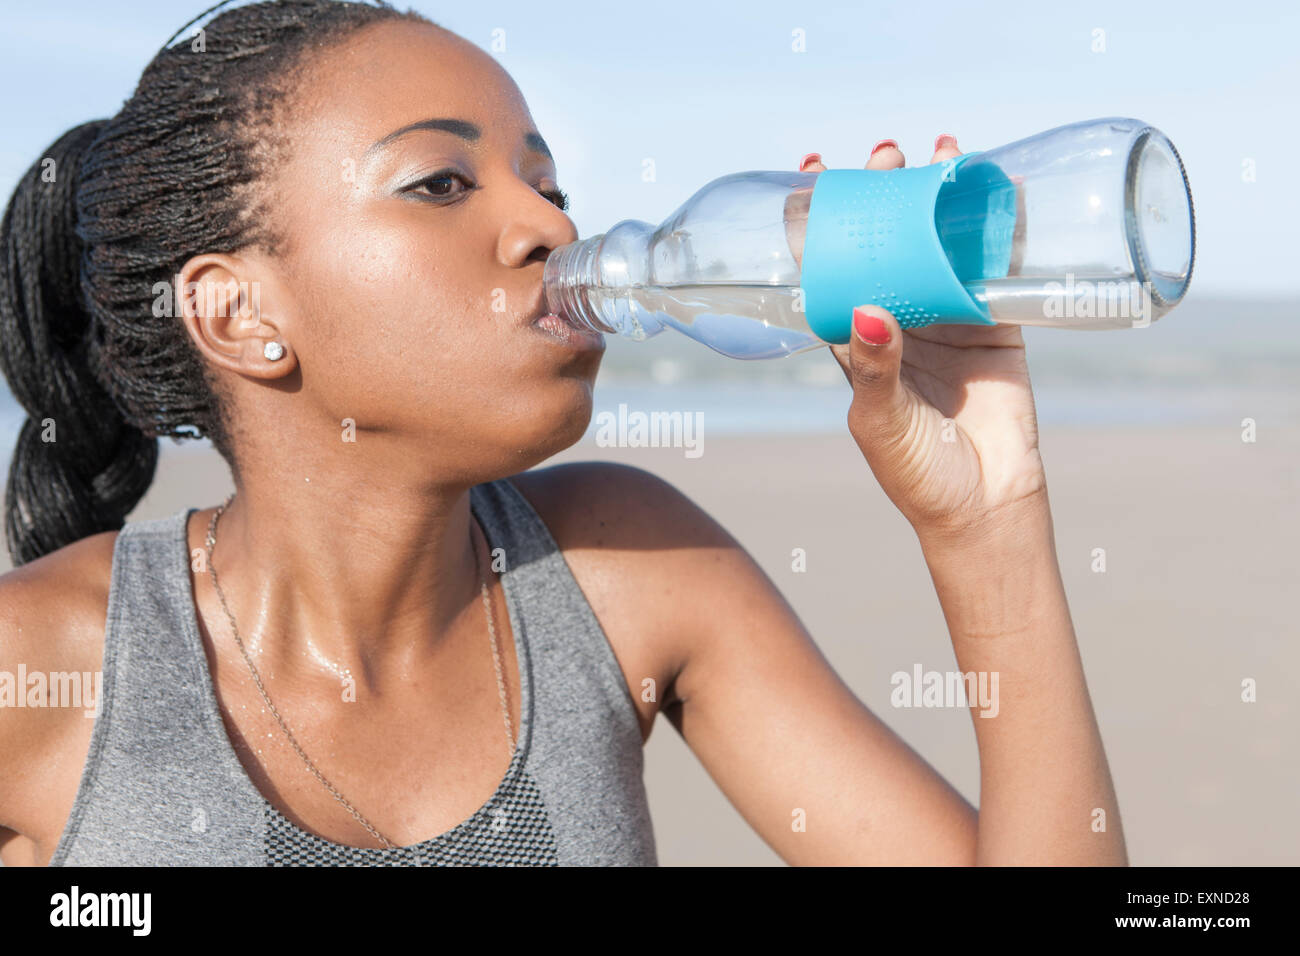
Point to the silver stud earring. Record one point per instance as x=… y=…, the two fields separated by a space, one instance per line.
x=273 y=351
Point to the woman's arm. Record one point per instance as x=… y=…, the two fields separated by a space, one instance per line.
x=813 y=771
x=816 y=774
x=52 y=613
x=1046 y=795
x=944 y=415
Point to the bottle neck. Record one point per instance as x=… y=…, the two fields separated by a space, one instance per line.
x=571 y=271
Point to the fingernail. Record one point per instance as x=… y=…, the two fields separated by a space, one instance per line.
x=882 y=144
x=870 y=328
x=810 y=158
x=945 y=139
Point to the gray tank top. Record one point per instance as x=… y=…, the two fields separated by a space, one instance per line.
x=162 y=784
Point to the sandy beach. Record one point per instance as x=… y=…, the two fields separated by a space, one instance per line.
x=1199 y=528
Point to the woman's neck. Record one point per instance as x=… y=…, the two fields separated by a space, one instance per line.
x=367 y=578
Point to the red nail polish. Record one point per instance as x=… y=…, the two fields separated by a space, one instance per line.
x=810 y=158
x=870 y=328
x=882 y=144
x=939 y=141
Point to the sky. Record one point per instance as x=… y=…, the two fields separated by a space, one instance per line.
x=706 y=89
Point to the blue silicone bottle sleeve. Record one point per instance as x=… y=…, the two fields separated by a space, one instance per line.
x=873 y=238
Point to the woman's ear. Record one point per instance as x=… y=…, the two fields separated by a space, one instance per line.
x=228 y=307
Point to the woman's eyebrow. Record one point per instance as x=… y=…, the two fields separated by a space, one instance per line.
x=457 y=127
x=535 y=142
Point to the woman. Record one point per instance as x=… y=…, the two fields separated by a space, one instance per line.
x=322 y=669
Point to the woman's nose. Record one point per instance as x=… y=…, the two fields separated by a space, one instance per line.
x=535 y=228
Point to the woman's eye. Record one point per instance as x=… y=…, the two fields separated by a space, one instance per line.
x=440 y=185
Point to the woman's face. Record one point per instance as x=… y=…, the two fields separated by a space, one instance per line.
x=409 y=300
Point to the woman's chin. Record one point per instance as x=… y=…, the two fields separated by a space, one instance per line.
x=572 y=421
x=559 y=420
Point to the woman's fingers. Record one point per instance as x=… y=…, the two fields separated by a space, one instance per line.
x=885 y=155
x=945 y=147
x=878 y=415
x=812 y=163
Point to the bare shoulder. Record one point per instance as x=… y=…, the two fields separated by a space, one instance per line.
x=52 y=604
x=52 y=615
x=600 y=504
x=643 y=553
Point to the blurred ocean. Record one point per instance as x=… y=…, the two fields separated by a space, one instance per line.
x=1207 y=362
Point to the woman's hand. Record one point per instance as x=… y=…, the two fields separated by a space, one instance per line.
x=944 y=414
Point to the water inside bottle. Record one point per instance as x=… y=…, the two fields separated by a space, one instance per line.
x=1099 y=300
x=744 y=321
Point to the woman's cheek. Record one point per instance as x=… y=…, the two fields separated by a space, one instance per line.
x=372 y=260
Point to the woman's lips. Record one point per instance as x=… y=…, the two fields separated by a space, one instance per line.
x=565 y=333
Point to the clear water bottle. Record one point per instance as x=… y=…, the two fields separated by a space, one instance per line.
x=1086 y=226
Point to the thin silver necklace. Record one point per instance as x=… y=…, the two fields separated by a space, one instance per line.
x=257 y=679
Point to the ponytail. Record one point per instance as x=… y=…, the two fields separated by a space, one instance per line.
x=79 y=467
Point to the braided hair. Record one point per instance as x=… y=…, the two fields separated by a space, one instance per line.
x=114 y=208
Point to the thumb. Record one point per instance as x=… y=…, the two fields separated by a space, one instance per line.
x=871 y=363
